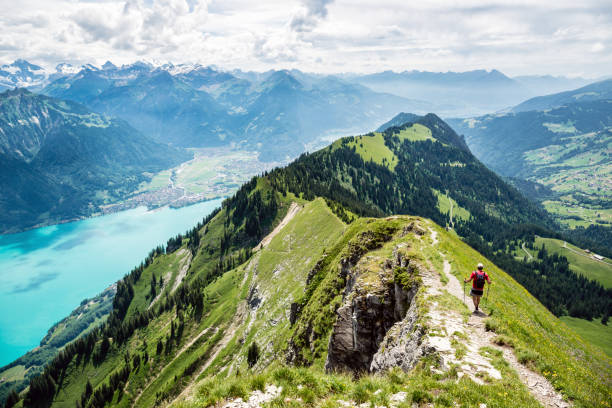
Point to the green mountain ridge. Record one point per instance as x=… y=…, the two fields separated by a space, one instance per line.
x=563 y=153
x=60 y=161
x=257 y=294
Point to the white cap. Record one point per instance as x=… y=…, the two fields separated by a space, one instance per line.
x=480 y=266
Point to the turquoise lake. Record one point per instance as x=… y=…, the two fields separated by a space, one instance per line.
x=47 y=272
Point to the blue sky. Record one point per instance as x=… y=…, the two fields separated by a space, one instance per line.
x=517 y=37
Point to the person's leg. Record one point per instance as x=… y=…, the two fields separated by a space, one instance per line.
x=476 y=301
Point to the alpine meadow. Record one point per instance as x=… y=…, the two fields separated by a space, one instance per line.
x=305 y=203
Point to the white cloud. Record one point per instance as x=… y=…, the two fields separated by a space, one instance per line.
x=517 y=37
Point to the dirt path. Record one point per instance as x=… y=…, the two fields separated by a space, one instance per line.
x=184 y=265
x=452 y=224
x=293 y=209
x=538 y=386
x=228 y=335
x=456 y=342
x=181 y=351
x=526 y=251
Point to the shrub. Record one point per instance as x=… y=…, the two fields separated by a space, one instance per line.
x=420 y=396
x=253 y=354
x=526 y=357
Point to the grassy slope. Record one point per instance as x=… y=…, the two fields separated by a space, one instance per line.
x=416 y=133
x=561 y=355
x=372 y=147
x=583 y=265
x=279 y=272
x=444 y=205
x=593 y=331
x=578 y=369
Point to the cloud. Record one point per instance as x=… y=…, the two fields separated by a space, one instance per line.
x=515 y=36
x=309 y=15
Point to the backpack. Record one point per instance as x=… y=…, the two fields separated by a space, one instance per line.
x=480 y=280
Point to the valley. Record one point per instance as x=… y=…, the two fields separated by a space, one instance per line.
x=559 y=155
x=212 y=173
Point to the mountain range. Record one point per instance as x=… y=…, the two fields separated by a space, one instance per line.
x=466 y=93
x=197 y=106
x=60 y=161
x=562 y=143
x=307 y=279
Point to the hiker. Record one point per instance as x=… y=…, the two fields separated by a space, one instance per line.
x=478 y=277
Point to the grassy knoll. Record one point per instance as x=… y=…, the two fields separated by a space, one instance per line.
x=592 y=331
x=579 y=260
x=416 y=133
x=372 y=148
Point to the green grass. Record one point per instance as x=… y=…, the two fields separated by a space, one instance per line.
x=277 y=276
x=580 y=262
x=563 y=357
x=14 y=373
x=416 y=133
x=444 y=205
x=312 y=387
x=592 y=331
x=373 y=148
x=573 y=214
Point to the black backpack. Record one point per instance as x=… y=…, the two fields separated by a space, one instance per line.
x=480 y=280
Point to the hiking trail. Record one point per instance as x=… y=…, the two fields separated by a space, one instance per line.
x=291 y=212
x=478 y=337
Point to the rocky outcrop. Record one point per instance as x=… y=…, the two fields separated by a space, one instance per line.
x=403 y=345
x=373 y=302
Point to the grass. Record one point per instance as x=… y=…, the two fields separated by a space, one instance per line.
x=573 y=214
x=372 y=148
x=312 y=387
x=563 y=357
x=415 y=133
x=580 y=261
x=592 y=331
x=444 y=205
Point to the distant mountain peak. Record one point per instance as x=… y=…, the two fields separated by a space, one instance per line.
x=109 y=66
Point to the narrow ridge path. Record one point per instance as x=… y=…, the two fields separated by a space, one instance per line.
x=538 y=385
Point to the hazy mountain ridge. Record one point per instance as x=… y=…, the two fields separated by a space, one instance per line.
x=462 y=93
x=593 y=92
x=196 y=106
x=60 y=160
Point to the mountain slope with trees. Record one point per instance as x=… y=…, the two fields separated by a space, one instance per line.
x=559 y=155
x=60 y=161
x=239 y=311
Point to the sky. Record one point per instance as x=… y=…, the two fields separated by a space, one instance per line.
x=517 y=37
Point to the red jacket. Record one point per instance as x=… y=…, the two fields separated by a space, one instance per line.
x=473 y=279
